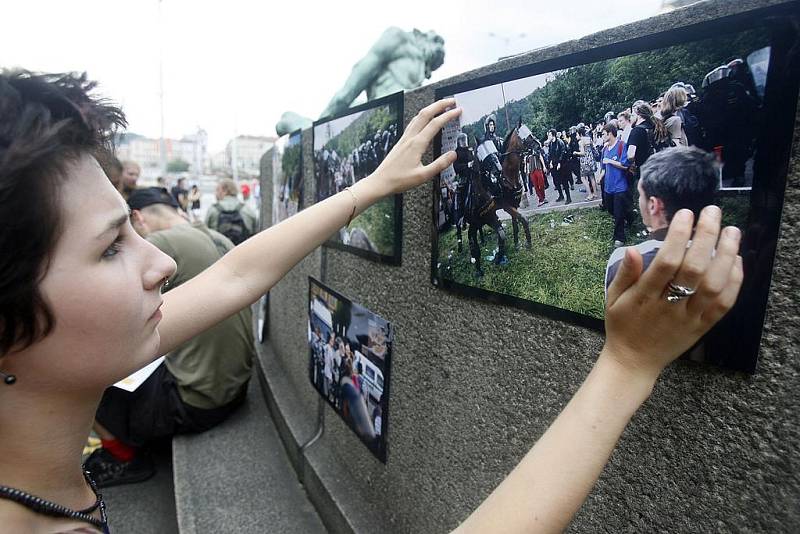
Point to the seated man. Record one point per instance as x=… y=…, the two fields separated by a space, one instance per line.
x=200 y=383
x=670 y=180
x=229 y=216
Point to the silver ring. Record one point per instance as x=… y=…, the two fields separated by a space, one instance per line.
x=681 y=290
x=677 y=293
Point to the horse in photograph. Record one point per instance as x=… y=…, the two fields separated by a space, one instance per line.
x=512 y=172
x=481 y=209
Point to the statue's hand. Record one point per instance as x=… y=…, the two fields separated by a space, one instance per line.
x=402 y=168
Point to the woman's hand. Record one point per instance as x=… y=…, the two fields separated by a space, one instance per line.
x=402 y=168
x=645 y=332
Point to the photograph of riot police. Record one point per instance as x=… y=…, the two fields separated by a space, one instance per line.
x=349 y=148
x=287 y=176
x=545 y=186
x=349 y=357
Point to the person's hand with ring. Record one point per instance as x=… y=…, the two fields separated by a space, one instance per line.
x=655 y=316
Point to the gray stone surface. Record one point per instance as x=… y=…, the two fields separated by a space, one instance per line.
x=148 y=507
x=711 y=451
x=236 y=477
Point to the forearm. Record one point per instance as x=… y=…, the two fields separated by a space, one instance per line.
x=549 y=485
x=252 y=268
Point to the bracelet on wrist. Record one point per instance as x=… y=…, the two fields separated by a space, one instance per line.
x=355 y=206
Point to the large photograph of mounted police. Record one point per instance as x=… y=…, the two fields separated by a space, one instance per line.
x=349 y=360
x=287 y=176
x=533 y=210
x=348 y=148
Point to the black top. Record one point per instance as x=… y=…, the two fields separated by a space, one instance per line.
x=639 y=138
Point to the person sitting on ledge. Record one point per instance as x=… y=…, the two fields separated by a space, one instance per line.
x=81 y=308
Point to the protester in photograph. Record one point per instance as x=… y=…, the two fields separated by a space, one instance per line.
x=624 y=124
x=181 y=194
x=573 y=152
x=587 y=162
x=671 y=180
x=82 y=308
x=674 y=100
x=229 y=216
x=538 y=168
x=558 y=166
x=615 y=181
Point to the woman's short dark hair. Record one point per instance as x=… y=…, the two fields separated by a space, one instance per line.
x=47 y=122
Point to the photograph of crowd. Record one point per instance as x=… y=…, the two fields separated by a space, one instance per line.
x=349 y=148
x=546 y=183
x=349 y=361
x=287 y=176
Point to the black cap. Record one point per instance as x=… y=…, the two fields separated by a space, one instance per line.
x=147 y=196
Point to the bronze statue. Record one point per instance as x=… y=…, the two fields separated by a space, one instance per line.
x=397 y=61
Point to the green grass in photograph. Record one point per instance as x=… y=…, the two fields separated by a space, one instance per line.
x=378 y=223
x=566 y=264
x=564 y=268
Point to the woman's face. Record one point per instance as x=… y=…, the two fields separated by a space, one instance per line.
x=103 y=286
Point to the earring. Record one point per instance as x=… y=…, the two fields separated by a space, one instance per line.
x=8 y=379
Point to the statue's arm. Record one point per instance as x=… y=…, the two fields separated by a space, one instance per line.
x=366 y=70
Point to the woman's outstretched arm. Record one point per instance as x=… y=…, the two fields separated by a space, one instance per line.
x=644 y=334
x=252 y=268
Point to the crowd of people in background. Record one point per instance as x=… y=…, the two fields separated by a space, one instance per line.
x=336 y=171
x=603 y=159
x=231 y=214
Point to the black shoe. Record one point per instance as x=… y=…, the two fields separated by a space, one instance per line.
x=560 y=198
x=107 y=471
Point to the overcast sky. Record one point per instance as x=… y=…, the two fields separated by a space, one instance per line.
x=235 y=66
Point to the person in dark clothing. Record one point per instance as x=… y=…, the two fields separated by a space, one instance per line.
x=559 y=168
x=462 y=167
x=574 y=162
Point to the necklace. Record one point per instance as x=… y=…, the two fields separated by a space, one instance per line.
x=49 y=508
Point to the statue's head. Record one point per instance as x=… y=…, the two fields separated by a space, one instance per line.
x=434 y=50
x=461 y=140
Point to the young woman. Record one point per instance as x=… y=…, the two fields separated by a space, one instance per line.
x=81 y=307
x=674 y=100
x=588 y=165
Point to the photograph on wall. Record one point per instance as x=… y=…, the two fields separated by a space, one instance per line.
x=287 y=176
x=348 y=148
x=545 y=191
x=349 y=360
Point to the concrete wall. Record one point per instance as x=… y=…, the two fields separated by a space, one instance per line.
x=711 y=451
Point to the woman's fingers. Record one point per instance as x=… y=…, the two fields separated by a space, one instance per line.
x=670 y=256
x=427 y=114
x=629 y=272
x=439 y=164
x=698 y=256
x=716 y=279
x=718 y=307
x=435 y=126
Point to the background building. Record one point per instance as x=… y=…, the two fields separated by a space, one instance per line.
x=189 y=154
x=246 y=151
